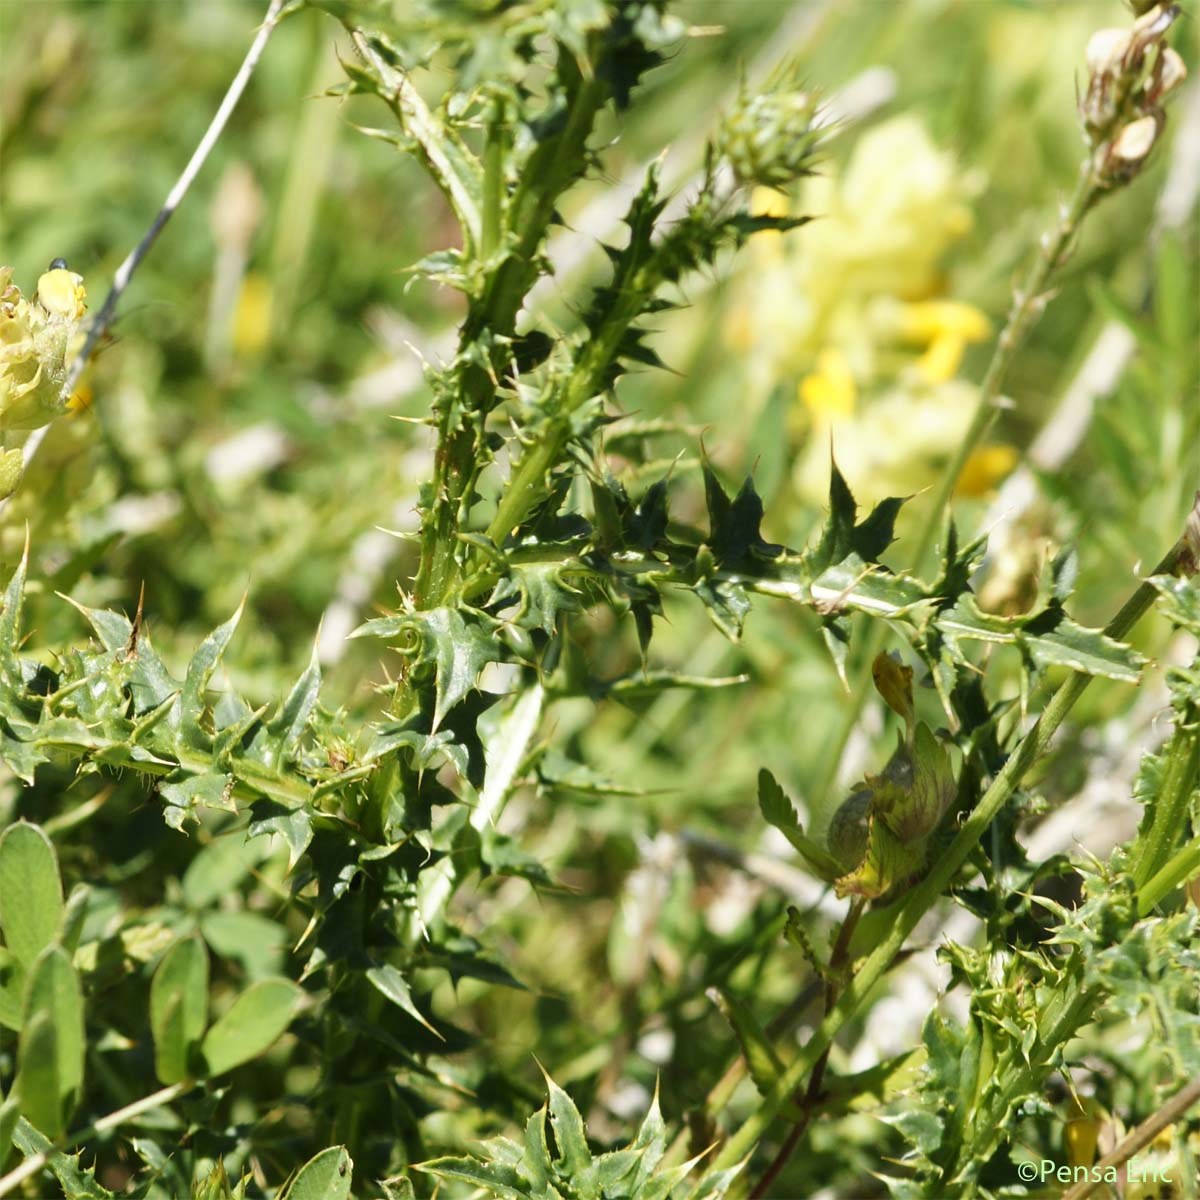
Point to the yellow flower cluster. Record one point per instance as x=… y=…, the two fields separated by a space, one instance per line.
x=37 y=340
x=853 y=308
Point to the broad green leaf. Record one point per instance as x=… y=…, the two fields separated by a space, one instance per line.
x=179 y=1007
x=53 y=997
x=258 y=1016
x=74 y=915
x=37 y=1086
x=219 y=869
x=12 y=990
x=10 y=1112
x=326 y=1176
x=255 y=941
x=31 y=899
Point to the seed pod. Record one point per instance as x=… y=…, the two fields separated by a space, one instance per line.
x=849 y=830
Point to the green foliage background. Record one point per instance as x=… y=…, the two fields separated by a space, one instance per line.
x=646 y=809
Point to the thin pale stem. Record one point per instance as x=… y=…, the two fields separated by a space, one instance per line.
x=104 y=318
x=1142 y=1136
x=808 y=1102
x=113 y=1120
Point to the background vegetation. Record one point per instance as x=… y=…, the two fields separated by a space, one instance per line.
x=241 y=446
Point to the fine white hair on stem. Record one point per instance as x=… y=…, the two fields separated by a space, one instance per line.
x=101 y=321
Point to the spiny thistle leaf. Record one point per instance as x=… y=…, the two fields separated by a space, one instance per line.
x=500 y=1167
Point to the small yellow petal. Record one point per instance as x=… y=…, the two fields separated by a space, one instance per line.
x=830 y=390
x=767 y=202
x=252 y=315
x=986 y=467
x=766 y=246
x=929 y=319
x=942 y=359
x=61 y=293
x=80 y=401
x=1081 y=1136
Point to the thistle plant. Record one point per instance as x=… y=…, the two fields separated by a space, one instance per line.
x=317 y=1040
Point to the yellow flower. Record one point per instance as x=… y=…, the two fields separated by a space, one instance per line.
x=892 y=445
x=252 y=315
x=830 y=391
x=61 y=293
x=986 y=467
x=37 y=338
x=928 y=320
x=1082 y=1132
x=882 y=227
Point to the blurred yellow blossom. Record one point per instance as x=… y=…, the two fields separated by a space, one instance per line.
x=829 y=391
x=252 y=315
x=854 y=310
x=889 y=447
x=984 y=469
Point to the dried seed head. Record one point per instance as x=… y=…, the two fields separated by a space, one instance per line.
x=1130 y=72
x=1106 y=50
x=1136 y=140
x=1191 y=560
x=1172 y=73
x=1130 y=75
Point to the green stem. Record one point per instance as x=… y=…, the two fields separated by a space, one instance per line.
x=493 y=180
x=585 y=381
x=1178 y=871
x=1171 y=804
x=809 y=1101
x=930 y=889
x=1022 y=1077
x=459 y=457
x=1028 y=303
